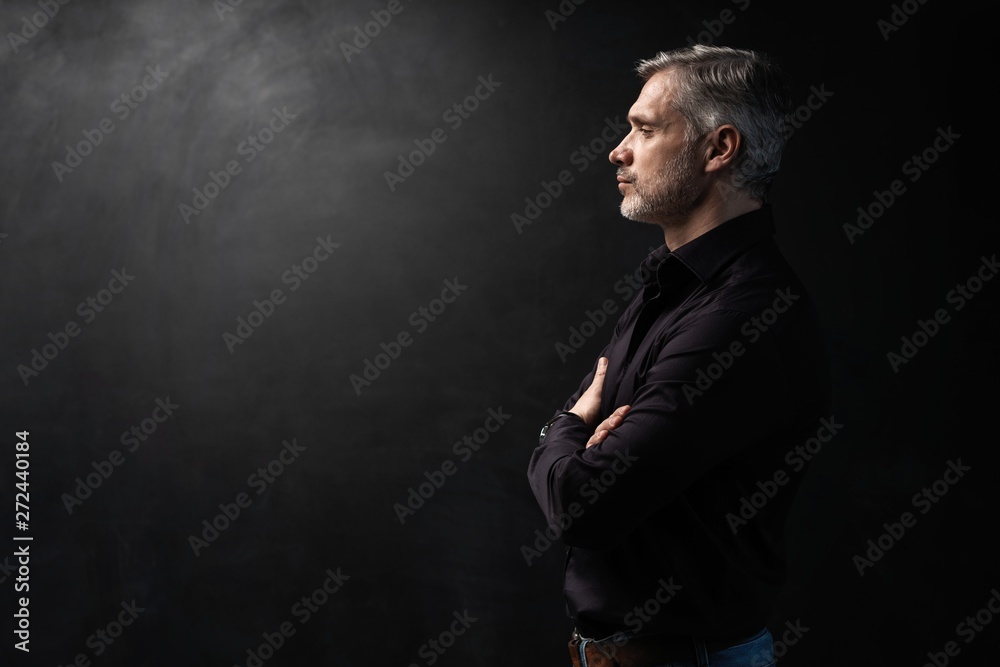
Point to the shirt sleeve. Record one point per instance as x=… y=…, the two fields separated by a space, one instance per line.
x=710 y=392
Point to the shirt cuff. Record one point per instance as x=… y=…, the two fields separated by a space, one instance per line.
x=567 y=432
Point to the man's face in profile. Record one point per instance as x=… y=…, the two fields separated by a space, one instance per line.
x=658 y=172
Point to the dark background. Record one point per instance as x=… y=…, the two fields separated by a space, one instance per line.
x=493 y=347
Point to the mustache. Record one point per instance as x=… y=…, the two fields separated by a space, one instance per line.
x=623 y=173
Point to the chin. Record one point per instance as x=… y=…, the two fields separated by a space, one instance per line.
x=641 y=215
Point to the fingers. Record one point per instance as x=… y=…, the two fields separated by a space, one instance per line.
x=608 y=425
x=616 y=418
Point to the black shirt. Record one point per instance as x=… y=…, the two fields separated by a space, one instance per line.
x=721 y=358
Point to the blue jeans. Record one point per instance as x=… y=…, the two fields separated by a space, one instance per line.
x=757 y=651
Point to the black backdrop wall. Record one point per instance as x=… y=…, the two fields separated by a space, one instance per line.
x=200 y=246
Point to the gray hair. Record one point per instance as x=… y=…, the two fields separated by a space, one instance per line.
x=718 y=85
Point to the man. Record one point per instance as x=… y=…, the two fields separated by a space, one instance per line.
x=715 y=373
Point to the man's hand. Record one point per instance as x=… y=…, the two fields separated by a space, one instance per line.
x=588 y=407
x=608 y=425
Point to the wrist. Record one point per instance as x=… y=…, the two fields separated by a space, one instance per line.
x=569 y=414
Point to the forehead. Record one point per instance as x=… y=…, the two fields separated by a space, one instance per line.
x=653 y=103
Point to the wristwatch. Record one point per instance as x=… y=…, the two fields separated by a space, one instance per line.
x=545 y=429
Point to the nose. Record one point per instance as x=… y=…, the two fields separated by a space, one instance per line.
x=620 y=155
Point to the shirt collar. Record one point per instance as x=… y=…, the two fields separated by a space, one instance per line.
x=707 y=255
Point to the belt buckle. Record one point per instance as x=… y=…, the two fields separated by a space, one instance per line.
x=595 y=648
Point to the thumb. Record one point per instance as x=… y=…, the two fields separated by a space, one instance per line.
x=602 y=369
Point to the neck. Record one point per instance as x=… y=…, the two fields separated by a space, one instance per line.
x=721 y=205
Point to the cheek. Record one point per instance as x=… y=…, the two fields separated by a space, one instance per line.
x=652 y=156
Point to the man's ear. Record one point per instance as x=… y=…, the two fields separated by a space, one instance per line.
x=721 y=146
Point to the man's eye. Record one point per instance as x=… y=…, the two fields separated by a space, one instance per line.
x=645 y=131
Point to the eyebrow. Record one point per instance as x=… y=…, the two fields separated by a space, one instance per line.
x=637 y=119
